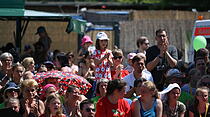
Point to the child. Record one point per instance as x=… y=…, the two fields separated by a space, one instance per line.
x=86 y=42
x=102 y=57
x=117 y=70
x=129 y=67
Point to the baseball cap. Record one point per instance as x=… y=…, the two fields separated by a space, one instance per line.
x=172 y=72
x=40 y=30
x=102 y=36
x=131 y=55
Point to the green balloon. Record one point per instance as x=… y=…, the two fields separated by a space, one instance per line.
x=199 y=42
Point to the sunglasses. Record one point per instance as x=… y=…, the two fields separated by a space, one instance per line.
x=206 y=84
x=117 y=57
x=146 y=43
x=11 y=90
x=90 y=109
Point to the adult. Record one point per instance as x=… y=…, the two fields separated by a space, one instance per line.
x=171 y=106
x=204 y=53
x=29 y=64
x=200 y=65
x=113 y=103
x=17 y=73
x=142 y=44
x=30 y=104
x=101 y=86
x=148 y=104
x=6 y=71
x=11 y=90
x=138 y=65
x=200 y=107
x=87 y=108
x=72 y=101
x=161 y=57
x=44 y=38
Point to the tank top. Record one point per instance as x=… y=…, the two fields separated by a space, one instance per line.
x=148 y=113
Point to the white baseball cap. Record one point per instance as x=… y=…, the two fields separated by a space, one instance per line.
x=102 y=36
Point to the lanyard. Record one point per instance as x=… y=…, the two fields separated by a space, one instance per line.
x=207 y=106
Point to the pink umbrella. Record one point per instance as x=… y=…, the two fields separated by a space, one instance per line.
x=64 y=80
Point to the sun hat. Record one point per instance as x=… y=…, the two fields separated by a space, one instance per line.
x=11 y=85
x=102 y=36
x=86 y=39
x=131 y=55
x=163 y=94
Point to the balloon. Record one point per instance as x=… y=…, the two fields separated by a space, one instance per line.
x=199 y=42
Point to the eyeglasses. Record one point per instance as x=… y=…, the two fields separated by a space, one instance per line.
x=117 y=57
x=200 y=64
x=161 y=36
x=12 y=90
x=90 y=109
x=146 y=43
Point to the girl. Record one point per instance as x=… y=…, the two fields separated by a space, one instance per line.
x=86 y=42
x=102 y=57
x=149 y=104
x=171 y=106
x=53 y=107
x=200 y=107
x=117 y=71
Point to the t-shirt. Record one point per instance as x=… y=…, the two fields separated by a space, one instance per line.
x=180 y=108
x=123 y=74
x=196 y=113
x=104 y=108
x=129 y=79
x=103 y=69
x=163 y=65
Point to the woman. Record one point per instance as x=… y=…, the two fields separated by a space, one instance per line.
x=113 y=103
x=6 y=68
x=30 y=104
x=29 y=64
x=100 y=89
x=48 y=90
x=53 y=107
x=149 y=104
x=17 y=73
x=171 y=106
x=200 y=107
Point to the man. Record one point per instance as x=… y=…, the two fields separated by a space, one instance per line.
x=44 y=38
x=87 y=108
x=161 y=57
x=200 y=65
x=142 y=44
x=138 y=63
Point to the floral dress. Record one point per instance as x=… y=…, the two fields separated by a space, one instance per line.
x=103 y=69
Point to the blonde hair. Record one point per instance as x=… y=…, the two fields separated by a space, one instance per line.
x=28 y=83
x=151 y=86
x=27 y=61
x=48 y=100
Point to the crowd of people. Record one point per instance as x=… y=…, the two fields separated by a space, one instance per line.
x=153 y=82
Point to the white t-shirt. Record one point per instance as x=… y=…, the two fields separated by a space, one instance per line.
x=129 y=79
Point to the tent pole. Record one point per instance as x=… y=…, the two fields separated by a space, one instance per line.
x=18 y=35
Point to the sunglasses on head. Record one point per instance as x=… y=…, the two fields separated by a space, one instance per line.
x=90 y=109
x=117 y=57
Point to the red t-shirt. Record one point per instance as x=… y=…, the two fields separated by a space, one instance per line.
x=104 y=108
x=123 y=74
